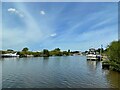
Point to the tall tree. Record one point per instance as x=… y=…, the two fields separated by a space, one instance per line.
x=46 y=53
x=25 y=49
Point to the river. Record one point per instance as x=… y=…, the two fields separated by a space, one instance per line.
x=56 y=72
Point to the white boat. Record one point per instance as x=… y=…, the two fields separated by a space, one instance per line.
x=10 y=55
x=94 y=57
x=91 y=57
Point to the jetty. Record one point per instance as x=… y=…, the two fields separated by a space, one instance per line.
x=105 y=65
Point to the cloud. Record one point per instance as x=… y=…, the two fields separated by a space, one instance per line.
x=32 y=32
x=15 y=11
x=42 y=12
x=54 y=34
x=82 y=32
x=11 y=10
x=105 y=22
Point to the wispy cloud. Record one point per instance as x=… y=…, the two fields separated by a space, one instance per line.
x=33 y=32
x=104 y=22
x=59 y=25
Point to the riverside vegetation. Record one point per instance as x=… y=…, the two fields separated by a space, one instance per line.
x=112 y=52
x=44 y=53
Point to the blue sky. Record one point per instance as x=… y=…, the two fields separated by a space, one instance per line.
x=75 y=26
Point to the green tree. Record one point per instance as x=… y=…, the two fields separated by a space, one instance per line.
x=4 y=52
x=25 y=49
x=65 y=53
x=24 y=52
x=36 y=54
x=100 y=50
x=57 y=52
x=113 y=53
x=57 y=49
x=68 y=50
x=46 y=53
x=10 y=50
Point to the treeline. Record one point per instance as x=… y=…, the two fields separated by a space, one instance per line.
x=113 y=53
x=44 y=53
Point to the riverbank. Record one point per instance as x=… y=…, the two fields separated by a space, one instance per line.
x=44 y=53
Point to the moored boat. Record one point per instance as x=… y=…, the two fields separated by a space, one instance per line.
x=91 y=57
x=9 y=55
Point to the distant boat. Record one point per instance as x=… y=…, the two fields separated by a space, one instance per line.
x=94 y=57
x=91 y=57
x=10 y=55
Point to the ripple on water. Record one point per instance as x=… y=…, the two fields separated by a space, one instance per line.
x=61 y=72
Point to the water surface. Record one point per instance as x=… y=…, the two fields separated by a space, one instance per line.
x=56 y=72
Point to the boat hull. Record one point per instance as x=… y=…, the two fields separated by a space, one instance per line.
x=9 y=55
x=93 y=57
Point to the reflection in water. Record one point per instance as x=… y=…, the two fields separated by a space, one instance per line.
x=112 y=77
x=51 y=72
x=92 y=65
x=13 y=58
x=45 y=58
